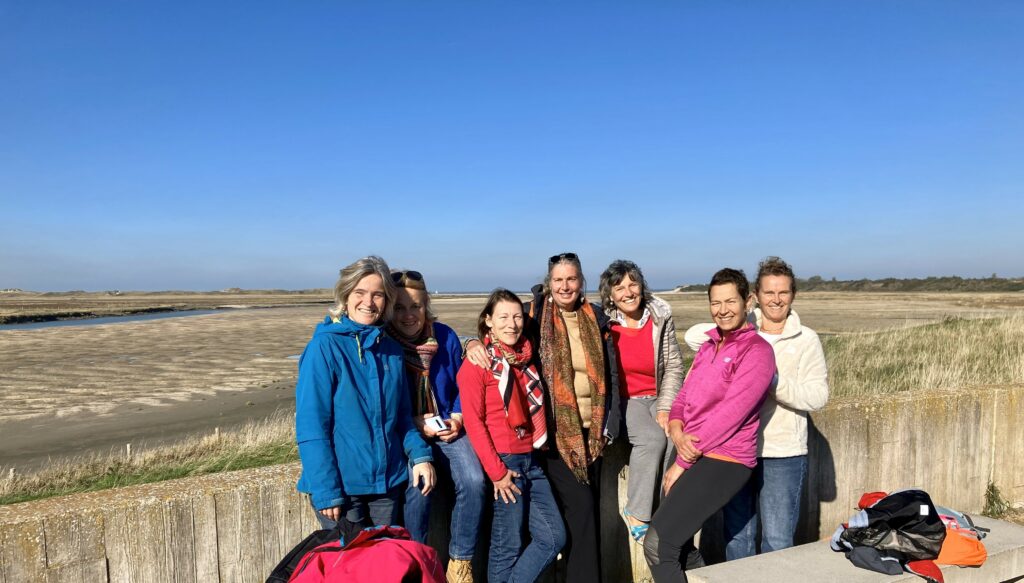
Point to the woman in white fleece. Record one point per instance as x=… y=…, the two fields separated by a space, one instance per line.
x=801 y=385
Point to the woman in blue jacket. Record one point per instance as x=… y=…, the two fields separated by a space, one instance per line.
x=353 y=420
x=433 y=355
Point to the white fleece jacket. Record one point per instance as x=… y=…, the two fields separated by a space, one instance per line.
x=800 y=386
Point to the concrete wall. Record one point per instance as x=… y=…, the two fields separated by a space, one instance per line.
x=951 y=444
x=235 y=526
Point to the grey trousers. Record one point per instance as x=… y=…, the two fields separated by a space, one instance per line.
x=652 y=452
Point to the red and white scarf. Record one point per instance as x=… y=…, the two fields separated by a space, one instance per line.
x=519 y=401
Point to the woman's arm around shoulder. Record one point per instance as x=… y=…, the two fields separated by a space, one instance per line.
x=697 y=335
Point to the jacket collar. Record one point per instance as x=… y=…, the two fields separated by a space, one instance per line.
x=740 y=334
x=617 y=317
x=656 y=308
x=367 y=334
x=792 y=327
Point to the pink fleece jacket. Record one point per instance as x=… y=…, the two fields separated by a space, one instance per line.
x=723 y=392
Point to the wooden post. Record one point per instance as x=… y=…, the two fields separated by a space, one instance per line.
x=10 y=474
x=216 y=434
x=128 y=450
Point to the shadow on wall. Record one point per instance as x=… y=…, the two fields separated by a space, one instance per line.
x=821 y=487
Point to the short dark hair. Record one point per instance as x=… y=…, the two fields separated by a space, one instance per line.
x=775 y=266
x=613 y=276
x=498 y=295
x=733 y=276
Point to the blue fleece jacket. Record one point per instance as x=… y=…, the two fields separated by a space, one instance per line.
x=353 y=418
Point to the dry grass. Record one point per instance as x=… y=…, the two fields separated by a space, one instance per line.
x=953 y=354
x=258 y=443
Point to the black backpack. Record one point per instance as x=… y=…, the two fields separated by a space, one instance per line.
x=905 y=522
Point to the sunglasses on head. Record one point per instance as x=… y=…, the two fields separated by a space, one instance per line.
x=556 y=258
x=400 y=276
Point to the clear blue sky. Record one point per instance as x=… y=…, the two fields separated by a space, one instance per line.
x=204 y=145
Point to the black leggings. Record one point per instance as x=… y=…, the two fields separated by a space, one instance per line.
x=696 y=495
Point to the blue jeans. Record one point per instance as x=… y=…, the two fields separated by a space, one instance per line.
x=776 y=484
x=458 y=462
x=378 y=509
x=509 y=561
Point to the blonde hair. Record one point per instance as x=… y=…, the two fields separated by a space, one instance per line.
x=403 y=280
x=352 y=274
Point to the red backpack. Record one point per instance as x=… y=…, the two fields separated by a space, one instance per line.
x=383 y=555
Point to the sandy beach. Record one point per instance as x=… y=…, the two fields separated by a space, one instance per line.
x=88 y=388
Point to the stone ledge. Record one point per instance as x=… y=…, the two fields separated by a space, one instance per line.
x=817 y=562
x=133 y=496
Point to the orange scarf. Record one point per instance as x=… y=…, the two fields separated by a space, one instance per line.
x=556 y=361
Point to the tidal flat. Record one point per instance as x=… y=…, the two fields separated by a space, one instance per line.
x=94 y=388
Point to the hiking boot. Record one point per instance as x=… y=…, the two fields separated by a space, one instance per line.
x=459 y=571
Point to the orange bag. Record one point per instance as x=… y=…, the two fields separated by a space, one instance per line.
x=962 y=545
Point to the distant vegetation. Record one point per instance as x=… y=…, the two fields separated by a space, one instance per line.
x=928 y=284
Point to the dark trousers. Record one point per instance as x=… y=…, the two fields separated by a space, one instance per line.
x=578 y=503
x=696 y=495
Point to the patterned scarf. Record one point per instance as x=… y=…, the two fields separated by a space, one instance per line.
x=517 y=399
x=556 y=359
x=419 y=352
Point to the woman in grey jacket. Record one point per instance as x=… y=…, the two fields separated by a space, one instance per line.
x=650 y=375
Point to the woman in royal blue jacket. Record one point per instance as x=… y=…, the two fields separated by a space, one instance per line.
x=433 y=355
x=353 y=418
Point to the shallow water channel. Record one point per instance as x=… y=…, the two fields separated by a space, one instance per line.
x=105 y=320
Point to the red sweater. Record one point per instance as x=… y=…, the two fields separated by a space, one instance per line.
x=635 y=347
x=484 y=416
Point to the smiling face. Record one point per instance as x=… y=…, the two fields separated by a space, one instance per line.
x=728 y=309
x=410 y=314
x=627 y=297
x=775 y=296
x=506 y=322
x=365 y=304
x=565 y=285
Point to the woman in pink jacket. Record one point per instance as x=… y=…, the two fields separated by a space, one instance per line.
x=713 y=424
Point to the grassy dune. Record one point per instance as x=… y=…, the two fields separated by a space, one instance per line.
x=952 y=354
